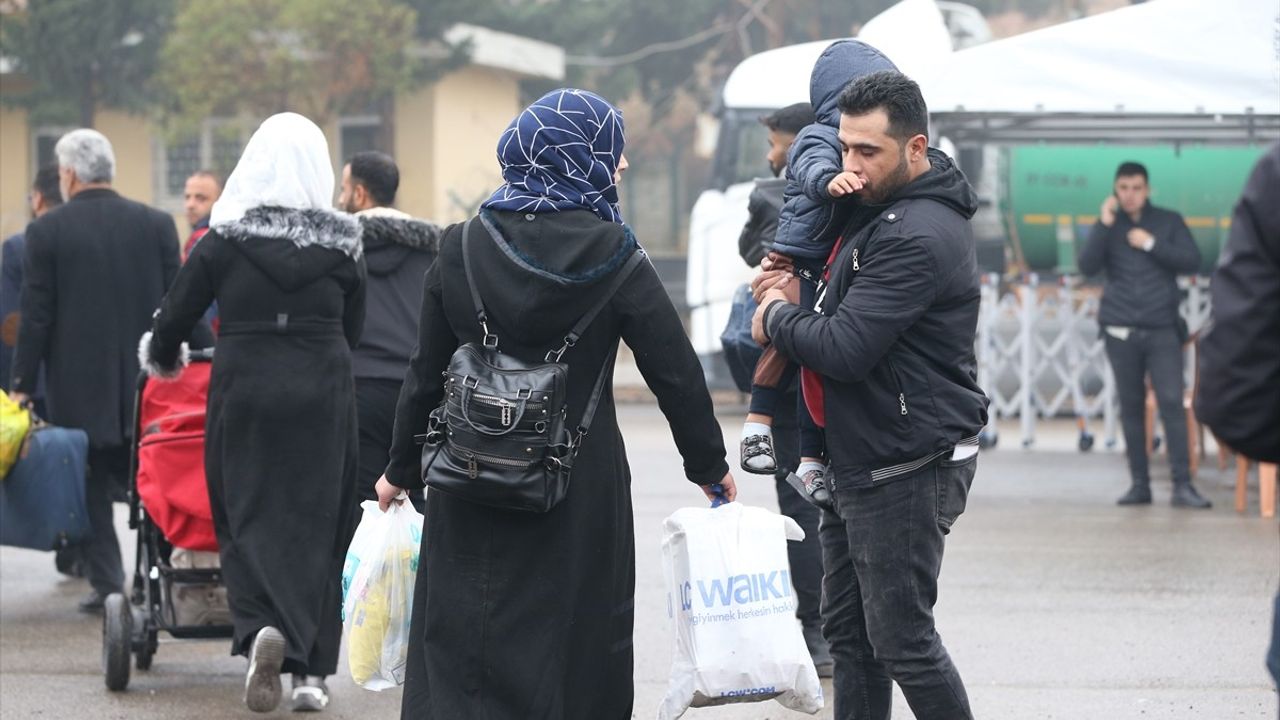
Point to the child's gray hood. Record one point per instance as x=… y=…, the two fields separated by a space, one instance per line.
x=841 y=63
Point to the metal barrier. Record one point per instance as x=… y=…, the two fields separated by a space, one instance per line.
x=1040 y=354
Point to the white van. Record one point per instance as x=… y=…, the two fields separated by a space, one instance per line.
x=915 y=34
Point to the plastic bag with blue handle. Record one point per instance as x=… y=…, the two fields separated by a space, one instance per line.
x=733 y=609
x=377 y=593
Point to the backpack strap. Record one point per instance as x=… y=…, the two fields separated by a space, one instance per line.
x=618 y=278
x=490 y=340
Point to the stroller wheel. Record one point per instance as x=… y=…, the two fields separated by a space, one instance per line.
x=143 y=638
x=116 y=639
x=146 y=650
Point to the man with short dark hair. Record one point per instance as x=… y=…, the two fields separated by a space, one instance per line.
x=1143 y=249
x=398 y=250
x=200 y=192
x=765 y=201
x=95 y=271
x=891 y=342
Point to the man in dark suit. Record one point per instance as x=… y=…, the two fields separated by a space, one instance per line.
x=95 y=271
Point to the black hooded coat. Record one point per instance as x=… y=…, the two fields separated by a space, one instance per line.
x=280 y=441
x=528 y=616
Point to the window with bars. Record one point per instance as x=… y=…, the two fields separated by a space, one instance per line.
x=217 y=147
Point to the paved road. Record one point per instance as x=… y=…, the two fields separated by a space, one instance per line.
x=1054 y=603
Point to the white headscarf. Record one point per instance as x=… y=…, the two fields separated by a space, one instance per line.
x=286 y=164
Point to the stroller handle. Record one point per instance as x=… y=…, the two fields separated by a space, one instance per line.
x=201 y=355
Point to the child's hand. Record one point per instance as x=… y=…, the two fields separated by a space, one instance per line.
x=846 y=183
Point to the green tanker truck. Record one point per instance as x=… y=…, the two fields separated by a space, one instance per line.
x=1049 y=195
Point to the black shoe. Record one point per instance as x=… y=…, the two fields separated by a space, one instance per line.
x=92 y=603
x=1137 y=495
x=813 y=488
x=1184 y=495
x=819 y=651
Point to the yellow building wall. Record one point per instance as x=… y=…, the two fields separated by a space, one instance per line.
x=130 y=137
x=413 y=131
x=15 y=171
x=447 y=139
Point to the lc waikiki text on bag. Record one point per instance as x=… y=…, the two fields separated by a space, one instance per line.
x=377 y=593
x=501 y=436
x=730 y=598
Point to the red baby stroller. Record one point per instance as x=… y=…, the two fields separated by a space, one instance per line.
x=177 y=586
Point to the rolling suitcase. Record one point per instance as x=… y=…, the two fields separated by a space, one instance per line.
x=42 y=503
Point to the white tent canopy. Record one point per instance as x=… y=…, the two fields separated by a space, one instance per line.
x=1165 y=70
x=912 y=33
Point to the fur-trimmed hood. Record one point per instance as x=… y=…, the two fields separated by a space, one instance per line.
x=282 y=242
x=310 y=226
x=389 y=239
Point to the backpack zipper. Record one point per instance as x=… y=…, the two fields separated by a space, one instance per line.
x=473 y=459
x=902 y=401
x=505 y=407
x=855 y=260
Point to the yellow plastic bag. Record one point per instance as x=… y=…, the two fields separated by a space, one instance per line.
x=377 y=593
x=15 y=420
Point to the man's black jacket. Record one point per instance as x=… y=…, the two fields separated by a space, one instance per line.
x=1239 y=393
x=763 y=207
x=1142 y=287
x=894 y=337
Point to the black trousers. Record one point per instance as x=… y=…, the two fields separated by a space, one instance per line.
x=108 y=474
x=376 y=417
x=882 y=550
x=805 y=556
x=1157 y=353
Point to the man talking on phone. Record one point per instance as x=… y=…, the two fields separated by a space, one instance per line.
x=1142 y=249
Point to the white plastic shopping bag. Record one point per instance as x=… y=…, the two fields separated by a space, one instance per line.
x=377 y=593
x=729 y=595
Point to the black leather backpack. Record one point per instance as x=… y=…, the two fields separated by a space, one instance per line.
x=501 y=437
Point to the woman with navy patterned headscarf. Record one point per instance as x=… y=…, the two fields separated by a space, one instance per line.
x=563 y=152
x=523 y=615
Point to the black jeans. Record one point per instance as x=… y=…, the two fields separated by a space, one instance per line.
x=1158 y=353
x=882 y=550
x=805 y=556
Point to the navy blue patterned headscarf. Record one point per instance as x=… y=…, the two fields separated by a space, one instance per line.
x=561 y=153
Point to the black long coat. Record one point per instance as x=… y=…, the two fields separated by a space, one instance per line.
x=1239 y=393
x=95 y=271
x=280 y=444
x=522 y=615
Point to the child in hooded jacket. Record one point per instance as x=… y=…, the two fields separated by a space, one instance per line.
x=817 y=206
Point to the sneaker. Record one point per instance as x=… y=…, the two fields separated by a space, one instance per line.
x=309 y=693
x=812 y=487
x=757 y=455
x=262 y=682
